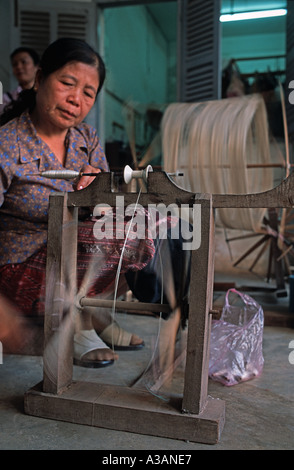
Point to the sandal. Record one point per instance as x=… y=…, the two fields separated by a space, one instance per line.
x=119 y=339
x=84 y=342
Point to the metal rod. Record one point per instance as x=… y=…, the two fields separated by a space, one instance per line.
x=129 y=173
x=64 y=174
x=72 y=174
x=254 y=165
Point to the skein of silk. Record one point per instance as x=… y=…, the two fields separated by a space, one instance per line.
x=212 y=143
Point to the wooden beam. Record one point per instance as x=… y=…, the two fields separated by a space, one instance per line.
x=60 y=284
x=126 y=409
x=124 y=305
x=200 y=304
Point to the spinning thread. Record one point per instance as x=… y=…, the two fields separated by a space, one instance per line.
x=214 y=141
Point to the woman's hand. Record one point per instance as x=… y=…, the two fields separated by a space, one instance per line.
x=84 y=181
x=15 y=332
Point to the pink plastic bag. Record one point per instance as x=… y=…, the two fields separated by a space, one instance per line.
x=236 y=342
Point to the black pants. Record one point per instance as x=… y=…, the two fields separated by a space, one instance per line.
x=170 y=267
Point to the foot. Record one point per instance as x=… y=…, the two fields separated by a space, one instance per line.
x=91 y=351
x=110 y=331
x=136 y=340
x=105 y=354
x=117 y=338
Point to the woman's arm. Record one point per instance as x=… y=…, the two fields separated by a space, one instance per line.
x=96 y=157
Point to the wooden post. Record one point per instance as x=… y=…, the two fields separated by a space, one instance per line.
x=60 y=288
x=200 y=303
x=276 y=251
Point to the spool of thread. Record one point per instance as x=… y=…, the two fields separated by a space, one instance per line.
x=60 y=174
x=129 y=174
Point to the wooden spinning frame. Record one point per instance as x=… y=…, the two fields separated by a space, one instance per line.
x=278 y=236
x=196 y=417
x=197 y=142
x=275 y=239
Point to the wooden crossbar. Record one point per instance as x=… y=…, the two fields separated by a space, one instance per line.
x=124 y=305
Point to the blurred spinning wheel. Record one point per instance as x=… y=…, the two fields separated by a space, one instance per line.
x=214 y=144
x=277 y=244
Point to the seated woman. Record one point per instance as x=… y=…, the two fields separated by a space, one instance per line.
x=45 y=130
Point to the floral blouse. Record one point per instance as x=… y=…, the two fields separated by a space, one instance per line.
x=24 y=195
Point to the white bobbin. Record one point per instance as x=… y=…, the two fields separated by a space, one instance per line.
x=129 y=174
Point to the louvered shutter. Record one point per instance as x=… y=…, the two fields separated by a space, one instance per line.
x=34 y=29
x=72 y=25
x=40 y=23
x=199 y=50
x=290 y=69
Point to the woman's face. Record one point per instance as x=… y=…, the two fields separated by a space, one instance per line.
x=24 y=69
x=66 y=96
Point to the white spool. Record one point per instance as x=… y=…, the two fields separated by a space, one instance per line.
x=60 y=174
x=129 y=174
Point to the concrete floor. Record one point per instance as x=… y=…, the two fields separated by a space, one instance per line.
x=259 y=413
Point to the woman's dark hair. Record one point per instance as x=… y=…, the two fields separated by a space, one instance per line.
x=57 y=55
x=66 y=50
x=34 y=55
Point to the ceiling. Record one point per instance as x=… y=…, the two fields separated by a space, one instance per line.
x=235 y=6
x=165 y=15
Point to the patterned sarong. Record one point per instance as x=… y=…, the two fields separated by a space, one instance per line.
x=24 y=283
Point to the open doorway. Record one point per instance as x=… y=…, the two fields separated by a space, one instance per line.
x=140 y=50
x=254 y=56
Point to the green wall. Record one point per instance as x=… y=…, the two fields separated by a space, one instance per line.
x=141 y=69
x=255 y=38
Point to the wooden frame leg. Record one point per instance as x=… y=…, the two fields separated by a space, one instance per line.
x=60 y=285
x=201 y=295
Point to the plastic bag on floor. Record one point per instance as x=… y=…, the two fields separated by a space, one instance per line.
x=236 y=342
